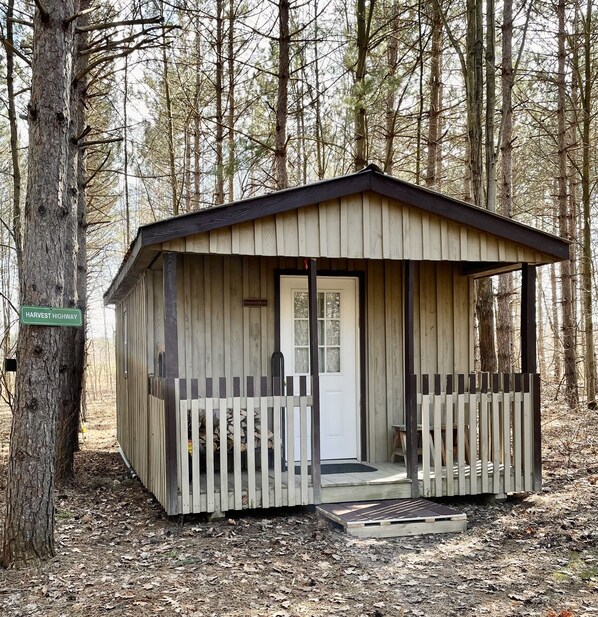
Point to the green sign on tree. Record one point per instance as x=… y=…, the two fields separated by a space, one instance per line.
x=45 y=316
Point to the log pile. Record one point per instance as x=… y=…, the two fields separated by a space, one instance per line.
x=230 y=431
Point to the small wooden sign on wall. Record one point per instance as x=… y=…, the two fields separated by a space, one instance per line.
x=255 y=302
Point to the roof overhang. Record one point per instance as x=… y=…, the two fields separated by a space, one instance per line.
x=150 y=237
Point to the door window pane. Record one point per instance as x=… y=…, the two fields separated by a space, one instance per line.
x=301 y=360
x=301 y=332
x=333 y=360
x=329 y=331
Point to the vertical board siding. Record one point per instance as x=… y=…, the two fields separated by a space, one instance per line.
x=132 y=390
x=219 y=337
x=236 y=450
x=478 y=439
x=361 y=226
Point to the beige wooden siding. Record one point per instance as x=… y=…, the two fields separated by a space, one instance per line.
x=443 y=332
x=238 y=341
x=132 y=392
x=234 y=341
x=362 y=226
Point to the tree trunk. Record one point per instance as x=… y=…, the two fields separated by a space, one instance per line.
x=125 y=150
x=197 y=124
x=231 y=167
x=169 y=129
x=571 y=391
x=14 y=135
x=435 y=101
x=72 y=362
x=391 y=116
x=504 y=314
x=282 y=101
x=319 y=136
x=29 y=524
x=490 y=106
x=364 y=19
x=219 y=193
x=474 y=87
x=586 y=180
x=556 y=339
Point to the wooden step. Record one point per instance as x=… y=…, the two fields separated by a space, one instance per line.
x=394 y=517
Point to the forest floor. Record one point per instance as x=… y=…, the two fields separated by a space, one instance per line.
x=117 y=554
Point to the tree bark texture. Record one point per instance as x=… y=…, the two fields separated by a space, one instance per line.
x=391 y=114
x=568 y=322
x=29 y=524
x=435 y=100
x=14 y=135
x=490 y=106
x=474 y=89
x=364 y=20
x=586 y=182
x=169 y=128
x=219 y=193
x=282 y=101
x=231 y=167
x=504 y=314
x=73 y=348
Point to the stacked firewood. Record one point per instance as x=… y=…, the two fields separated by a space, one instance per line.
x=230 y=431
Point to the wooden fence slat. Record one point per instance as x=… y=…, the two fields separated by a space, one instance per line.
x=448 y=439
x=438 y=440
x=517 y=427
x=276 y=429
x=484 y=436
x=251 y=473
x=461 y=435
x=264 y=440
x=304 y=438
x=290 y=424
x=496 y=436
x=237 y=446
x=222 y=431
x=506 y=431
x=183 y=453
x=473 y=436
x=426 y=443
x=210 y=479
x=195 y=454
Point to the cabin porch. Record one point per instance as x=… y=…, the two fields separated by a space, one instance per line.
x=475 y=434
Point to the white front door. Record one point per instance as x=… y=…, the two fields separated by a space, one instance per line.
x=338 y=355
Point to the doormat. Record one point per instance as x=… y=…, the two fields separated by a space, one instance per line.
x=327 y=468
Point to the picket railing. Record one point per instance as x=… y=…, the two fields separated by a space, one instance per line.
x=156 y=445
x=243 y=450
x=480 y=436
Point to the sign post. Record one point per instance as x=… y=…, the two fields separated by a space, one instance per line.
x=46 y=316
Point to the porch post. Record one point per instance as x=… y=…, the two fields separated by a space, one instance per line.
x=171 y=353
x=528 y=319
x=528 y=361
x=312 y=292
x=410 y=380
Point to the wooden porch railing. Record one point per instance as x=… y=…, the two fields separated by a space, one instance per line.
x=482 y=436
x=156 y=443
x=237 y=451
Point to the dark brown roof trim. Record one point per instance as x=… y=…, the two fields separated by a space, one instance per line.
x=255 y=208
x=468 y=214
x=370 y=179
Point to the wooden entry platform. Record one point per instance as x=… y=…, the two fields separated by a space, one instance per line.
x=394 y=517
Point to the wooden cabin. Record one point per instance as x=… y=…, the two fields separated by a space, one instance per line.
x=316 y=345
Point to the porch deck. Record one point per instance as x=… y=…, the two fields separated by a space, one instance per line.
x=387 y=481
x=229 y=451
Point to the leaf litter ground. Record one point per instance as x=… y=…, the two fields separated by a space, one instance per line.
x=117 y=554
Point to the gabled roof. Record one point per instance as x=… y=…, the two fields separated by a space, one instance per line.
x=370 y=179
